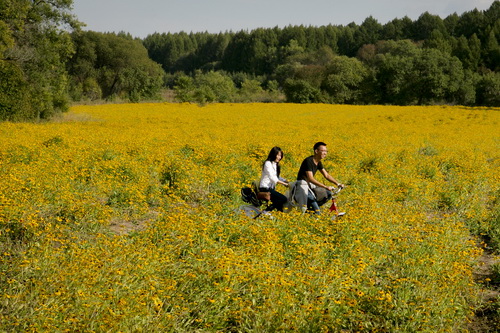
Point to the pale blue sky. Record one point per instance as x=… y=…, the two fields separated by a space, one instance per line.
x=143 y=17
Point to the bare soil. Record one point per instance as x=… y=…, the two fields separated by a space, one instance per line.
x=487 y=318
x=124 y=226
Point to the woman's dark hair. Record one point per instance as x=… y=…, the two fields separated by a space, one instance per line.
x=272 y=157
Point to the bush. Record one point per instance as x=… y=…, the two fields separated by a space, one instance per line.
x=250 y=90
x=14 y=94
x=300 y=91
x=205 y=88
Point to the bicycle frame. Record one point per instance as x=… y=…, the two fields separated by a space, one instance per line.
x=334 y=207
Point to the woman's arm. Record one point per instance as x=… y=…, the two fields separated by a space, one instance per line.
x=270 y=172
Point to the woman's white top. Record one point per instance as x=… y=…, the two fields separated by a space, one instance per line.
x=269 y=177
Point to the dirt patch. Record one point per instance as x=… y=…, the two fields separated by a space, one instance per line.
x=122 y=226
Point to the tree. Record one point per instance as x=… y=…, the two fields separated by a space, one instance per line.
x=207 y=55
x=264 y=51
x=156 y=44
x=236 y=57
x=292 y=49
x=397 y=29
x=466 y=93
x=492 y=52
x=402 y=48
x=475 y=53
x=367 y=53
x=331 y=37
x=438 y=41
x=451 y=23
x=344 y=80
x=468 y=51
x=368 y=32
x=315 y=38
x=462 y=50
x=346 y=42
x=488 y=89
x=300 y=91
x=426 y=24
x=184 y=87
x=15 y=94
x=34 y=47
x=220 y=87
x=393 y=74
x=492 y=14
x=296 y=33
x=286 y=71
x=472 y=22
x=312 y=73
x=437 y=77
x=309 y=67
x=120 y=65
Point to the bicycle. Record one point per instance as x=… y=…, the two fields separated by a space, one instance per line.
x=250 y=195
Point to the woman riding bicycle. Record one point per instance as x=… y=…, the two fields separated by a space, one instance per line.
x=270 y=177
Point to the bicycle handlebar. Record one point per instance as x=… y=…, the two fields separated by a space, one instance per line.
x=337 y=190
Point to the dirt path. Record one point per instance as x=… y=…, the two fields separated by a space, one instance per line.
x=487 y=318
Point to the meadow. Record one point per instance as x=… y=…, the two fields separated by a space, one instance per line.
x=123 y=218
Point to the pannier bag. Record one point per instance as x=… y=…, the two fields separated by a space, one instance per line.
x=249 y=196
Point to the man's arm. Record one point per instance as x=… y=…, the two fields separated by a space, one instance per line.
x=311 y=179
x=330 y=178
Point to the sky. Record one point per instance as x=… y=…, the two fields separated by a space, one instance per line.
x=141 y=18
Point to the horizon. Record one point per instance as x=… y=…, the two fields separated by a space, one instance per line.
x=224 y=16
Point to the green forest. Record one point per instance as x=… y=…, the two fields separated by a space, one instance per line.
x=48 y=61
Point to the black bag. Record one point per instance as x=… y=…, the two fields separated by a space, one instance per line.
x=249 y=196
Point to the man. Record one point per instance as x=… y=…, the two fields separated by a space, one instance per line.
x=310 y=193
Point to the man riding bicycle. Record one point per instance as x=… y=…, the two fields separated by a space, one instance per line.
x=310 y=193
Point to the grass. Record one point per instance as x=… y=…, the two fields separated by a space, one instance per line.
x=422 y=181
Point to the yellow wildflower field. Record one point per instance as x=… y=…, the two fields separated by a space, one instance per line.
x=124 y=218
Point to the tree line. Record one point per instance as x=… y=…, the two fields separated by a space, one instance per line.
x=47 y=61
x=431 y=60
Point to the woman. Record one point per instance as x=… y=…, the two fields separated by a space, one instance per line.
x=270 y=177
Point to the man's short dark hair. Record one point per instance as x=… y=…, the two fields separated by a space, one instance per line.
x=318 y=144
